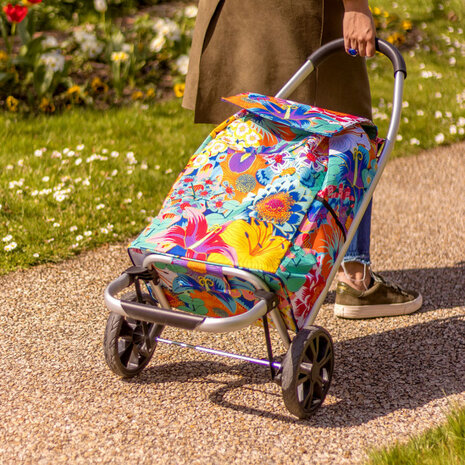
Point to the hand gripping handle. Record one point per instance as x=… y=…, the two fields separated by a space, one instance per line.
x=382 y=46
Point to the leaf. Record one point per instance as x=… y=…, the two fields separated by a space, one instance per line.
x=23 y=32
x=43 y=78
x=21 y=61
x=3 y=30
x=5 y=77
x=34 y=48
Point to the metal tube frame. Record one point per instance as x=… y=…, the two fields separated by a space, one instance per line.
x=382 y=161
x=209 y=324
x=234 y=323
x=222 y=353
x=399 y=77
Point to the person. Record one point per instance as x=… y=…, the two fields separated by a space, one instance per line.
x=256 y=46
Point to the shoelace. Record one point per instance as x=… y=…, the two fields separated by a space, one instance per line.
x=387 y=283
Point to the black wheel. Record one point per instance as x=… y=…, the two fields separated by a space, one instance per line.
x=307 y=370
x=129 y=344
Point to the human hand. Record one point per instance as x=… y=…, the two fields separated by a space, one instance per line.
x=358 y=28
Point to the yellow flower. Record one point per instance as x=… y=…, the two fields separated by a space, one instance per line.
x=74 y=93
x=179 y=89
x=119 y=56
x=150 y=93
x=74 y=90
x=396 y=38
x=98 y=86
x=137 y=95
x=376 y=11
x=255 y=245
x=407 y=25
x=46 y=105
x=12 y=104
x=3 y=56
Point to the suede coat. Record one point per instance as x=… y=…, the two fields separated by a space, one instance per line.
x=257 y=45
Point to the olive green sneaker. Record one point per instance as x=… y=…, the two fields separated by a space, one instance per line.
x=381 y=299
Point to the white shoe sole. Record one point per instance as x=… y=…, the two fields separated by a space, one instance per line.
x=357 y=312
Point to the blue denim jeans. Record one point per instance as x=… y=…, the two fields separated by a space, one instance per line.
x=359 y=248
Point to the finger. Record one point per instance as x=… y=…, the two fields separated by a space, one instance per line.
x=370 y=49
x=361 y=49
x=352 y=48
x=347 y=44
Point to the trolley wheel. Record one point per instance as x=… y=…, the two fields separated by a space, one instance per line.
x=129 y=344
x=307 y=370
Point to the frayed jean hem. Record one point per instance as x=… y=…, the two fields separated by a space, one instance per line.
x=362 y=258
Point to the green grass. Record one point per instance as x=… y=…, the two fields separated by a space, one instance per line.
x=443 y=445
x=58 y=202
x=434 y=85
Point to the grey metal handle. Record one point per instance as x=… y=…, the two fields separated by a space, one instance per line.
x=382 y=46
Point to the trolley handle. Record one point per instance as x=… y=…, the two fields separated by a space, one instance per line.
x=382 y=46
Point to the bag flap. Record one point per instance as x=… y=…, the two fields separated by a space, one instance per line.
x=297 y=115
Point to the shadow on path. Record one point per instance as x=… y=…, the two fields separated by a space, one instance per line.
x=374 y=375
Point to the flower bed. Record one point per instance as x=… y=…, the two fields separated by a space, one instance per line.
x=107 y=62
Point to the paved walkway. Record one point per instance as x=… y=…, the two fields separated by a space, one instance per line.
x=394 y=377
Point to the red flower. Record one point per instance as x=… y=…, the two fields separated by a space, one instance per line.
x=33 y=2
x=16 y=13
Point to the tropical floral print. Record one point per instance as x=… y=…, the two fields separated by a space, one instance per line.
x=273 y=190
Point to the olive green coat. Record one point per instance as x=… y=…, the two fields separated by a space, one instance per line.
x=257 y=45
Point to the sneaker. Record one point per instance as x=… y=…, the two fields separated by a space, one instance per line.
x=380 y=299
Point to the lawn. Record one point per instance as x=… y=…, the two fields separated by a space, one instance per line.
x=84 y=178
x=434 y=95
x=444 y=445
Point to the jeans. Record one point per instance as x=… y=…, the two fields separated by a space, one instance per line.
x=359 y=248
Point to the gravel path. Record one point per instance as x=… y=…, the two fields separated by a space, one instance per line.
x=394 y=377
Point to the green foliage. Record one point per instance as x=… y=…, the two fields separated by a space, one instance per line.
x=62 y=13
x=34 y=66
x=444 y=445
x=84 y=178
x=434 y=95
x=162 y=135
x=98 y=63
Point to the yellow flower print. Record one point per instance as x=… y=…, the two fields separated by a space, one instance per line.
x=241 y=129
x=255 y=245
x=200 y=160
x=252 y=139
x=243 y=134
x=216 y=146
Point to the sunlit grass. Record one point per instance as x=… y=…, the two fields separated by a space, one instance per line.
x=444 y=445
x=434 y=95
x=72 y=182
